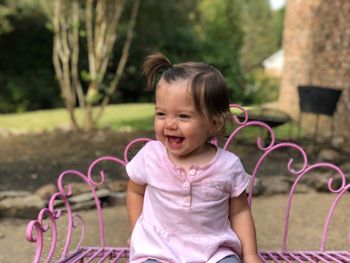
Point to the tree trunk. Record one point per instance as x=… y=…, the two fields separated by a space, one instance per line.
x=65 y=54
x=102 y=19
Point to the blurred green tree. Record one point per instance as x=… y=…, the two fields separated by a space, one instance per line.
x=215 y=31
x=219 y=27
x=26 y=73
x=5 y=12
x=278 y=24
x=206 y=30
x=260 y=37
x=233 y=35
x=262 y=29
x=165 y=26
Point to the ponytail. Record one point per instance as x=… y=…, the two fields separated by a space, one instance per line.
x=154 y=66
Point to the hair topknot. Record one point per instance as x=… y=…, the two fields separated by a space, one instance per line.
x=153 y=67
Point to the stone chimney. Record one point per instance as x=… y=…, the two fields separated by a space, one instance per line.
x=316 y=46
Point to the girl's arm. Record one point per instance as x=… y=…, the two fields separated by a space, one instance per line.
x=134 y=202
x=243 y=225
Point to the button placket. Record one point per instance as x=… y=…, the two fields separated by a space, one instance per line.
x=187 y=198
x=186 y=186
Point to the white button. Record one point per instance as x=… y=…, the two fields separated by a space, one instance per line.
x=186 y=184
x=192 y=172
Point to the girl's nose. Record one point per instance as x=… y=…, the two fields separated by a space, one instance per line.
x=171 y=124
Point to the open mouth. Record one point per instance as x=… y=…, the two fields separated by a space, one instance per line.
x=175 y=141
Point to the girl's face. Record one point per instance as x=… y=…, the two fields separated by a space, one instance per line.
x=178 y=125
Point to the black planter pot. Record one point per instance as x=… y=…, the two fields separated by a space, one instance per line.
x=318 y=100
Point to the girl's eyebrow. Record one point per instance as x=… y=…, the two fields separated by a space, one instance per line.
x=184 y=110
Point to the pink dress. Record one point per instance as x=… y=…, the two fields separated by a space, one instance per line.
x=185 y=217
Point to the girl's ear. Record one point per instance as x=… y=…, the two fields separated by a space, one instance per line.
x=216 y=126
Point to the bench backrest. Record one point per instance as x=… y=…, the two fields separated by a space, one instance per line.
x=48 y=218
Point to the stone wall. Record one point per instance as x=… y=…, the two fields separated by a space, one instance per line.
x=317 y=52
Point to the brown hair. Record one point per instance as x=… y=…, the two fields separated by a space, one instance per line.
x=207 y=84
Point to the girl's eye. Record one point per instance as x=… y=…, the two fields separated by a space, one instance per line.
x=184 y=116
x=160 y=114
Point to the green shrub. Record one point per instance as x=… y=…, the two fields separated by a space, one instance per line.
x=261 y=87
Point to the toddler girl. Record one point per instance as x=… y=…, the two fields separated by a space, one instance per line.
x=186 y=197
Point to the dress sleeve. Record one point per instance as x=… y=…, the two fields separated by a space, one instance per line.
x=240 y=179
x=136 y=167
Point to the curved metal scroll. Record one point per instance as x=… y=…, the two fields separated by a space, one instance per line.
x=298 y=173
x=37 y=228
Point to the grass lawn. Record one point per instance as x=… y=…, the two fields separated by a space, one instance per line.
x=137 y=116
x=122 y=117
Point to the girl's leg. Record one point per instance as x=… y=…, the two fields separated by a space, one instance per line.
x=230 y=259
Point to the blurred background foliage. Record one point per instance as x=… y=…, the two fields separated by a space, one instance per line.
x=233 y=35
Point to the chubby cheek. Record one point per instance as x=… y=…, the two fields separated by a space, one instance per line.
x=158 y=128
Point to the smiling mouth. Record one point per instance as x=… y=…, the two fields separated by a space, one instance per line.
x=175 y=141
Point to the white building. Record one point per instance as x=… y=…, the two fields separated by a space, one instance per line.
x=273 y=65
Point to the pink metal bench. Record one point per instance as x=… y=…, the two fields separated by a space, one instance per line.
x=49 y=218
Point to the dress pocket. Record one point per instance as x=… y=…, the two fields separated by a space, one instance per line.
x=214 y=189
